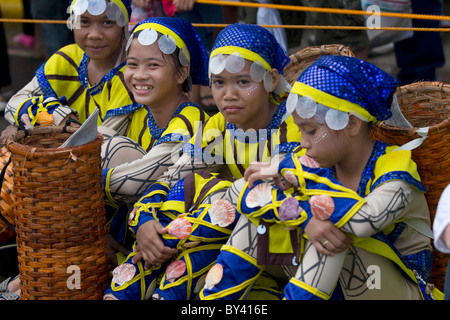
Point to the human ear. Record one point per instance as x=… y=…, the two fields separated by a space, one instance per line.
x=183 y=73
x=275 y=78
x=354 y=125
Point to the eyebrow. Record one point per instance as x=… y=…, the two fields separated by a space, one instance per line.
x=237 y=76
x=145 y=59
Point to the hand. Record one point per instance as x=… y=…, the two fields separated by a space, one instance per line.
x=263 y=170
x=7 y=133
x=151 y=248
x=74 y=124
x=326 y=237
x=184 y=5
x=113 y=247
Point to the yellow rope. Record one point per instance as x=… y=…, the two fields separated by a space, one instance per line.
x=293 y=8
x=223 y=25
x=323 y=10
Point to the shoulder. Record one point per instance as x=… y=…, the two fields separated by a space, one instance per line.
x=396 y=164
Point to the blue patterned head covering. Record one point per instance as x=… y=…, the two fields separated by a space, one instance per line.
x=124 y=5
x=348 y=84
x=255 y=39
x=185 y=38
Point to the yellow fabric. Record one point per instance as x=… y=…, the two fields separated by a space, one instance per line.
x=279 y=240
x=246 y=54
x=310 y=289
x=61 y=71
x=139 y=130
x=246 y=284
x=331 y=101
x=162 y=29
x=217 y=140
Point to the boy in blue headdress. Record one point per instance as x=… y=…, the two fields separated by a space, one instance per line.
x=366 y=190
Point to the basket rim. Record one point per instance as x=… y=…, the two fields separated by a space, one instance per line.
x=419 y=87
x=32 y=152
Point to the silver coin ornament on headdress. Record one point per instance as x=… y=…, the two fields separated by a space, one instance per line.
x=166 y=43
x=235 y=62
x=307 y=108
x=95 y=8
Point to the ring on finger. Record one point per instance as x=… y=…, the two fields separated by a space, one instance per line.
x=324 y=244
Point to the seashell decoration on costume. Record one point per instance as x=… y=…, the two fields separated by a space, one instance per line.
x=175 y=270
x=214 y=276
x=309 y=162
x=322 y=206
x=291 y=178
x=259 y=196
x=123 y=273
x=180 y=228
x=289 y=209
x=222 y=213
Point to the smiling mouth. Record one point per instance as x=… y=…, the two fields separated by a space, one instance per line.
x=142 y=89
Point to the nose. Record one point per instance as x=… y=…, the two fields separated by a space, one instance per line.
x=305 y=142
x=140 y=73
x=229 y=92
x=95 y=32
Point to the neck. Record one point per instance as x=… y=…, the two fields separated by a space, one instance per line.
x=97 y=69
x=262 y=120
x=163 y=112
x=350 y=169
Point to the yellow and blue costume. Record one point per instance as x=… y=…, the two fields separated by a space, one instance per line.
x=345 y=85
x=183 y=124
x=64 y=83
x=198 y=249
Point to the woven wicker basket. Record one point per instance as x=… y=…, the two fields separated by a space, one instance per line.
x=7 y=201
x=60 y=216
x=306 y=56
x=426 y=104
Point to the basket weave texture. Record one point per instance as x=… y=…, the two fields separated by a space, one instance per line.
x=7 y=201
x=426 y=104
x=303 y=58
x=59 y=216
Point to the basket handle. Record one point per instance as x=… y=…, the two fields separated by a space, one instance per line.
x=423 y=133
x=2 y=177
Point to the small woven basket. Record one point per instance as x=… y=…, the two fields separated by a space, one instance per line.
x=7 y=201
x=306 y=56
x=59 y=216
x=426 y=104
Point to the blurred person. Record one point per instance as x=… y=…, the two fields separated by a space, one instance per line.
x=5 y=80
x=419 y=56
x=55 y=36
x=356 y=40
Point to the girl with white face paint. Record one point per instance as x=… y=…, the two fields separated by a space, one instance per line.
x=369 y=192
x=245 y=72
